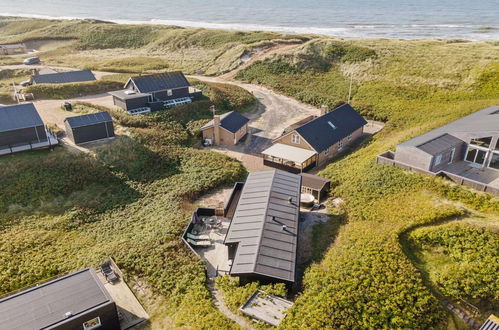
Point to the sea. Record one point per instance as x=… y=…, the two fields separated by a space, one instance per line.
x=401 y=19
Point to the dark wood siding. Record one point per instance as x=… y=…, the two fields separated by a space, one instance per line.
x=90 y=133
x=107 y=313
x=176 y=93
x=23 y=136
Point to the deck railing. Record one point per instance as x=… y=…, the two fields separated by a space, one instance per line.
x=387 y=158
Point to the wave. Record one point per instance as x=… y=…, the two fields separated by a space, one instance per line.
x=375 y=30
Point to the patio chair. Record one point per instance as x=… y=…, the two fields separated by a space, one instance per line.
x=108 y=272
x=198 y=237
x=199 y=243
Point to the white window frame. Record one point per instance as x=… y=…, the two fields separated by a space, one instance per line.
x=472 y=146
x=295 y=138
x=95 y=326
x=350 y=137
x=452 y=154
x=438 y=160
x=340 y=145
x=490 y=160
x=169 y=92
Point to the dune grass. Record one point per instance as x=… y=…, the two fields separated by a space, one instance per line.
x=365 y=279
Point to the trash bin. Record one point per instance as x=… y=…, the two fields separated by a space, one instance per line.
x=67 y=106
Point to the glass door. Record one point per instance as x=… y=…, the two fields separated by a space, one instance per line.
x=476 y=156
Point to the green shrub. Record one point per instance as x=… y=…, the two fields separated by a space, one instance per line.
x=466 y=260
x=71 y=90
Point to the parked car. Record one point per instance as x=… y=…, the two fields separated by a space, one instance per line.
x=25 y=83
x=32 y=61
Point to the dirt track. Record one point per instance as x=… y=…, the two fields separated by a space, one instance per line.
x=274 y=112
x=51 y=112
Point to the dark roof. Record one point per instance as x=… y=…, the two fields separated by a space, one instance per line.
x=265 y=224
x=19 y=116
x=440 y=143
x=326 y=130
x=492 y=323
x=313 y=181
x=64 y=77
x=46 y=304
x=231 y=121
x=90 y=119
x=160 y=82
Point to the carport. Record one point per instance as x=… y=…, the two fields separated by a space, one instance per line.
x=289 y=158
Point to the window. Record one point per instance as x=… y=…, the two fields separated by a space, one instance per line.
x=497 y=144
x=438 y=160
x=475 y=156
x=482 y=142
x=494 y=161
x=295 y=139
x=332 y=125
x=169 y=92
x=349 y=137
x=326 y=151
x=452 y=153
x=92 y=324
x=340 y=145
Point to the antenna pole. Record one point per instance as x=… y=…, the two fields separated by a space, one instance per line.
x=350 y=88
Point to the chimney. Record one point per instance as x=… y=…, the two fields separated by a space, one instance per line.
x=216 y=129
x=324 y=109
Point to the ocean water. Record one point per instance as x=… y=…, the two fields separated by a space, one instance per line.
x=407 y=19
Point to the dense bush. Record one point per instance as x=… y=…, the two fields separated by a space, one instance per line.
x=464 y=260
x=236 y=295
x=70 y=90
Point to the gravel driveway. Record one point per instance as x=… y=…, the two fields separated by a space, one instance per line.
x=273 y=113
x=51 y=112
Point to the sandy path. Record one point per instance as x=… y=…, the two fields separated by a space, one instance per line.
x=51 y=112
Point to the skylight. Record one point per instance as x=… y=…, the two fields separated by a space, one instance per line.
x=331 y=124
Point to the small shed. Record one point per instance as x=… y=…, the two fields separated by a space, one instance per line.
x=21 y=125
x=88 y=128
x=315 y=185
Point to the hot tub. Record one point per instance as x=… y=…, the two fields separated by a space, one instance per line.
x=307 y=200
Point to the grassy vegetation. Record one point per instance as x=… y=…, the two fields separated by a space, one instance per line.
x=136 y=212
x=463 y=260
x=136 y=48
x=71 y=90
x=130 y=65
x=366 y=280
x=60 y=212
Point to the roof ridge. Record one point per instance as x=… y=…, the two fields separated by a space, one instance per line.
x=264 y=221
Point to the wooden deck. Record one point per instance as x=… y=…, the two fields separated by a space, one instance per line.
x=267 y=308
x=128 y=306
